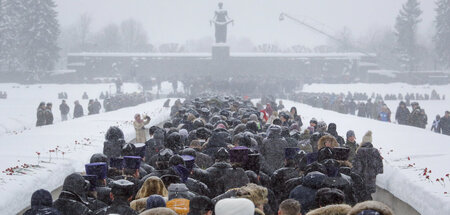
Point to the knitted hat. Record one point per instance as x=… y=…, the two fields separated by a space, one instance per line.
x=367 y=137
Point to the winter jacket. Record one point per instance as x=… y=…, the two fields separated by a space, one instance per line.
x=112 y=147
x=69 y=203
x=216 y=171
x=140 y=129
x=272 y=150
x=352 y=146
x=117 y=207
x=215 y=142
x=48 y=117
x=40 y=117
x=306 y=192
x=154 y=145
x=416 y=118
x=444 y=125
x=41 y=203
x=78 y=111
x=402 y=115
x=64 y=108
x=278 y=179
x=368 y=164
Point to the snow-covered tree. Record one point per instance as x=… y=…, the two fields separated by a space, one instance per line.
x=406 y=27
x=39 y=35
x=10 y=44
x=442 y=36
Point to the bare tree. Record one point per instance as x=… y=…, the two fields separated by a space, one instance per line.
x=134 y=36
x=84 y=28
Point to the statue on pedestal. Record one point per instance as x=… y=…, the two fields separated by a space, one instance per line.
x=221 y=20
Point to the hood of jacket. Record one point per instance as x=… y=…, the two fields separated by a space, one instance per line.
x=341 y=209
x=371 y=205
x=325 y=138
x=314 y=180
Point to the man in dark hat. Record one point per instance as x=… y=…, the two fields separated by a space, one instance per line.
x=92 y=194
x=98 y=169
x=351 y=144
x=201 y=205
x=238 y=159
x=121 y=194
x=72 y=199
x=272 y=150
x=280 y=176
x=218 y=169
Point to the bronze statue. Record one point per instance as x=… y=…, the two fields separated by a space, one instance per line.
x=221 y=20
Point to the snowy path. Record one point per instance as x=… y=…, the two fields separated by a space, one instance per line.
x=407 y=151
x=16 y=150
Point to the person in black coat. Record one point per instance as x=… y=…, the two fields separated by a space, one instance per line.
x=272 y=150
x=444 y=124
x=40 y=115
x=368 y=162
x=112 y=147
x=332 y=130
x=402 y=114
x=72 y=199
x=77 y=110
x=121 y=193
x=48 y=114
x=280 y=176
x=218 y=169
x=306 y=192
x=42 y=203
x=64 y=109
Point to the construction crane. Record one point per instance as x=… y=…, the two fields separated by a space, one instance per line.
x=283 y=16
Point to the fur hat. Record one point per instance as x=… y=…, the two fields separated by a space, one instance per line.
x=325 y=138
x=341 y=209
x=367 y=137
x=152 y=185
x=371 y=205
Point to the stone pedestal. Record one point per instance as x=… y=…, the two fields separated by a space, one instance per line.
x=220 y=51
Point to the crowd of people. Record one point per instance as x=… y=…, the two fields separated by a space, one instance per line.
x=377 y=109
x=110 y=103
x=226 y=156
x=347 y=105
x=122 y=100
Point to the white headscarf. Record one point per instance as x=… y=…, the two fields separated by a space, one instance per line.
x=234 y=206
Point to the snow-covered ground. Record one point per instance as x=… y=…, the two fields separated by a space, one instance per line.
x=78 y=139
x=18 y=111
x=407 y=151
x=432 y=107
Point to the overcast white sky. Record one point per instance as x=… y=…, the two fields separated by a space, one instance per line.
x=181 y=20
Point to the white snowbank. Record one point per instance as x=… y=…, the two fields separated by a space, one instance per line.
x=396 y=143
x=16 y=150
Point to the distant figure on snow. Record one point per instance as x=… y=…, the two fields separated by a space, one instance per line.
x=64 y=109
x=77 y=110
